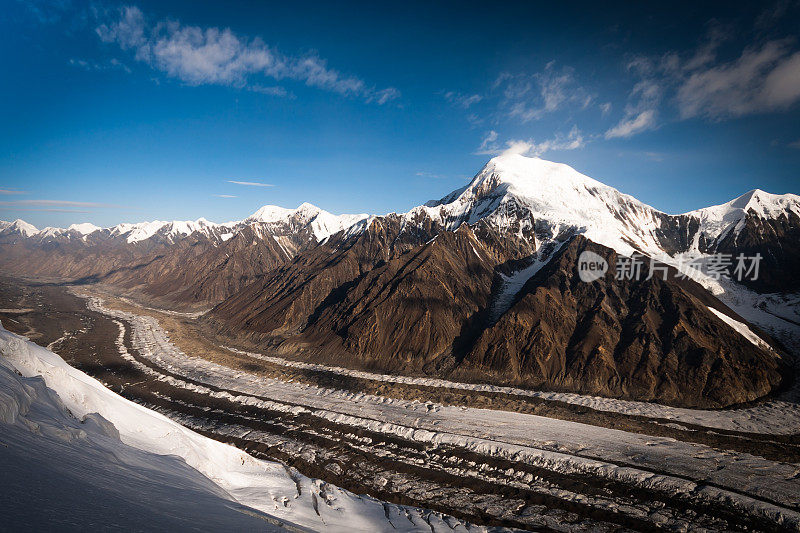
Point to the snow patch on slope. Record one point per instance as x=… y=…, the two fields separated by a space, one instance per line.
x=514 y=282
x=742 y=329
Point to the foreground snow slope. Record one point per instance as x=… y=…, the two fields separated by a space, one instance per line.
x=75 y=474
x=130 y=462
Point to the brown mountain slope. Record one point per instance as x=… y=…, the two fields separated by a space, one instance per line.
x=426 y=310
x=777 y=240
x=193 y=270
x=648 y=339
x=72 y=260
x=199 y=271
x=283 y=300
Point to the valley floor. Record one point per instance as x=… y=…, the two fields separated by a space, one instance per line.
x=489 y=455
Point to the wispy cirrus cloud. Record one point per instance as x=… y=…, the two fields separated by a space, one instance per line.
x=529 y=97
x=761 y=77
x=250 y=183
x=46 y=203
x=199 y=56
x=632 y=123
x=424 y=174
x=7 y=192
x=225 y=196
x=641 y=112
x=488 y=144
x=52 y=210
x=464 y=101
x=112 y=64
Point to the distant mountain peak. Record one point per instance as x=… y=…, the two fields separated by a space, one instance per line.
x=319 y=222
x=84 y=228
x=718 y=219
x=22 y=227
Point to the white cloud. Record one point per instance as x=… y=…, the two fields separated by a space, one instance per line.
x=11 y=191
x=632 y=125
x=530 y=97
x=251 y=183
x=572 y=141
x=463 y=101
x=113 y=64
x=199 y=56
x=489 y=144
x=760 y=80
x=643 y=102
x=424 y=174
x=271 y=90
x=225 y=195
x=48 y=210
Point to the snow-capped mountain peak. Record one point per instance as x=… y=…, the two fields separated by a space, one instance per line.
x=719 y=219
x=538 y=200
x=169 y=231
x=270 y=214
x=20 y=227
x=321 y=223
x=85 y=228
x=553 y=196
x=530 y=175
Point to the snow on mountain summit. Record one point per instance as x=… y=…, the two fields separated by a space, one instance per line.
x=560 y=199
x=529 y=194
x=557 y=198
x=20 y=227
x=85 y=228
x=321 y=223
x=717 y=219
x=142 y=231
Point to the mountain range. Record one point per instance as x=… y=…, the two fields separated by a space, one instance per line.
x=481 y=285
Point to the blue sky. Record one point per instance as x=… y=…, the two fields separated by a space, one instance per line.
x=151 y=110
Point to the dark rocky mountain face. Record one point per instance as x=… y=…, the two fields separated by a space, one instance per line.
x=777 y=240
x=426 y=310
x=201 y=272
x=195 y=269
x=282 y=300
x=653 y=340
x=70 y=260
